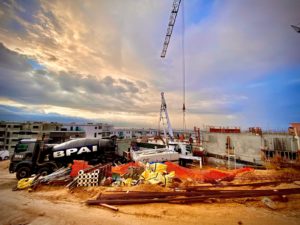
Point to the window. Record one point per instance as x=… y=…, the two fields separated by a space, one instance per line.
x=95 y=134
x=95 y=128
x=271 y=154
x=25 y=147
x=21 y=148
x=35 y=127
x=71 y=128
x=99 y=127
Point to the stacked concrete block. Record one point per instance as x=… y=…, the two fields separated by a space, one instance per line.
x=88 y=179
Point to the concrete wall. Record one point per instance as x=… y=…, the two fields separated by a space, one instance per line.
x=246 y=146
x=280 y=142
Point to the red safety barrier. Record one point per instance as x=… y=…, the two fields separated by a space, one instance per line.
x=78 y=165
x=208 y=175
x=123 y=169
x=182 y=172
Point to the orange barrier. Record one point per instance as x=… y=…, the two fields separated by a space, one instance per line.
x=208 y=175
x=78 y=165
x=123 y=169
x=214 y=175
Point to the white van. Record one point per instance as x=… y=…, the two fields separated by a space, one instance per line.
x=4 y=154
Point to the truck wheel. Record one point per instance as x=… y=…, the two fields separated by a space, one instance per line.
x=23 y=172
x=44 y=171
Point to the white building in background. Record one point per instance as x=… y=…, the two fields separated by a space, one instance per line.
x=128 y=133
x=92 y=130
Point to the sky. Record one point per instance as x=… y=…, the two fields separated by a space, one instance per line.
x=99 y=61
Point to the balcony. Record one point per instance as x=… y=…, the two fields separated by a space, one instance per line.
x=22 y=136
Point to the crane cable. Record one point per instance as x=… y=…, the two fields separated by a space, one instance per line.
x=183 y=67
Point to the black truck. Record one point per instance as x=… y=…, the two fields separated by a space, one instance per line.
x=33 y=156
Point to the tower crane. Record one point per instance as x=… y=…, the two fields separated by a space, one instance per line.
x=172 y=19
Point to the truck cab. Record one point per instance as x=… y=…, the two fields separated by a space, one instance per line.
x=24 y=160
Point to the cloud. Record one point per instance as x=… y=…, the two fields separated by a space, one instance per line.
x=90 y=37
x=239 y=41
x=10 y=113
x=67 y=88
x=102 y=57
x=12 y=60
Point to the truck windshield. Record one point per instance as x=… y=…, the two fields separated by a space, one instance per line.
x=21 y=148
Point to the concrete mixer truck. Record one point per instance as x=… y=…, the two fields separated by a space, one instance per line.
x=33 y=156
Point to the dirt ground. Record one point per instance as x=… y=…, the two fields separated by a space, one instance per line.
x=57 y=205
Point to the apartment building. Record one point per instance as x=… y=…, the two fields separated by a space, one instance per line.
x=12 y=132
x=128 y=133
x=92 y=130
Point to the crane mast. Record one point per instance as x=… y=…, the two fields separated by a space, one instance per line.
x=164 y=118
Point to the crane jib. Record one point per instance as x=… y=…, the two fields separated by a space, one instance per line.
x=78 y=151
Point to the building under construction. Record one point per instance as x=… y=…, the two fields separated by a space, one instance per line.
x=254 y=146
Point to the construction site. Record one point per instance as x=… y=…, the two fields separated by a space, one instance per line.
x=93 y=173
x=150 y=194
x=214 y=176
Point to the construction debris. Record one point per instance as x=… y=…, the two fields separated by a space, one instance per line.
x=184 y=196
x=110 y=207
x=91 y=175
x=94 y=175
x=269 y=203
x=60 y=176
x=177 y=184
x=24 y=183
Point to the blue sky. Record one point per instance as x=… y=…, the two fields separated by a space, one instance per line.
x=100 y=61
